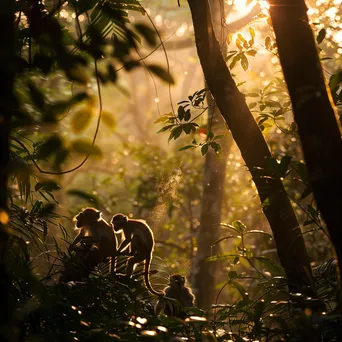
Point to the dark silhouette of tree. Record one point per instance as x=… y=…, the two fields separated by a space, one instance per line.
x=7 y=103
x=313 y=110
x=246 y=133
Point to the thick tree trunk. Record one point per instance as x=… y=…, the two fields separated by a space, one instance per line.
x=246 y=133
x=204 y=272
x=6 y=104
x=313 y=111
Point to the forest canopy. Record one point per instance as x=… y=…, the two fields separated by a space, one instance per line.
x=170 y=170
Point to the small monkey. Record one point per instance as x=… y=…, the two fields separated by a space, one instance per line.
x=139 y=242
x=178 y=291
x=96 y=231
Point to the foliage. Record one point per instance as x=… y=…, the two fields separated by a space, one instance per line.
x=61 y=67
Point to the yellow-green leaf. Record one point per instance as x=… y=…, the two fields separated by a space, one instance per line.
x=84 y=146
x=108 y=119
x=229 y=38
x=252 y=32
x=244 y=62
x=81 y=119
x=251 y=52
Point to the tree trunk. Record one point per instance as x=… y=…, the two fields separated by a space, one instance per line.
x=254 y=150
x=313 y=110
x=204 y=272
x=6 y=105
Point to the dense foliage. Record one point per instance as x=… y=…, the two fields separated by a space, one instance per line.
x=88 y=104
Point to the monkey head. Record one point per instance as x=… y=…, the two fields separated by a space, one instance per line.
x=118 y=221
x=177 y=281
x=87 y=216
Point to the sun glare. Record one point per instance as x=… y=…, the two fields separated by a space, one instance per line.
x=241 y=7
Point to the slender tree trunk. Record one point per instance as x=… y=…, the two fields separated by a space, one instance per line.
x=246 y=133
x=204 y=272
x=6 y=104
x=313 y=110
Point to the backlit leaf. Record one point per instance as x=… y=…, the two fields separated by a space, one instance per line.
x=81 y=119
x=84 y=146
x=108 y=119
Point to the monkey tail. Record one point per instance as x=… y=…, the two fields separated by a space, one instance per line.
x=147 y=279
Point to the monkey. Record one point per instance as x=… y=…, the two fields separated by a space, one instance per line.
x=97 y=233
x=178 y=291
x=139 y=241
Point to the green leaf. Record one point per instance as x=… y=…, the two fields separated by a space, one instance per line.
x=235 y=60
x=256 y=231
x=187 y=128
x=161 y=73
x=48 y=147
x=244 y=62
x=181 y=113
x=252 y=105
x=251 y=32
x=229 y=38
x=210 y=135
x=270 y=265
x=187 y=115
x=239 y=226
x=284 y=164
x=217 y=137
x=47 y=186
x=241 y=38
x=148 y=33
x=186 y=147
x=241 y=290
x=81 y=119
x=225 y=238
x=230 y=227
x=301 y=169
x=335 y=80
x=216 y=147
x=163 y=118
x=251 y=52
x=176 y=132
x=84 y=146
x=108 y=119
x=165 y=128
x=204 y=149
x=321 y=35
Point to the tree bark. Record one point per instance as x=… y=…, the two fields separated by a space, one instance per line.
x=313 y=109
x=254 y=150
x=7 y=58
x=204 y=272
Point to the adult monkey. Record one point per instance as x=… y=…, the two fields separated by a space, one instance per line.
x=138 y=238
x=97 y=234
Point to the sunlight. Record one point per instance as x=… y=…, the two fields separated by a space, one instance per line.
x=242 y=8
